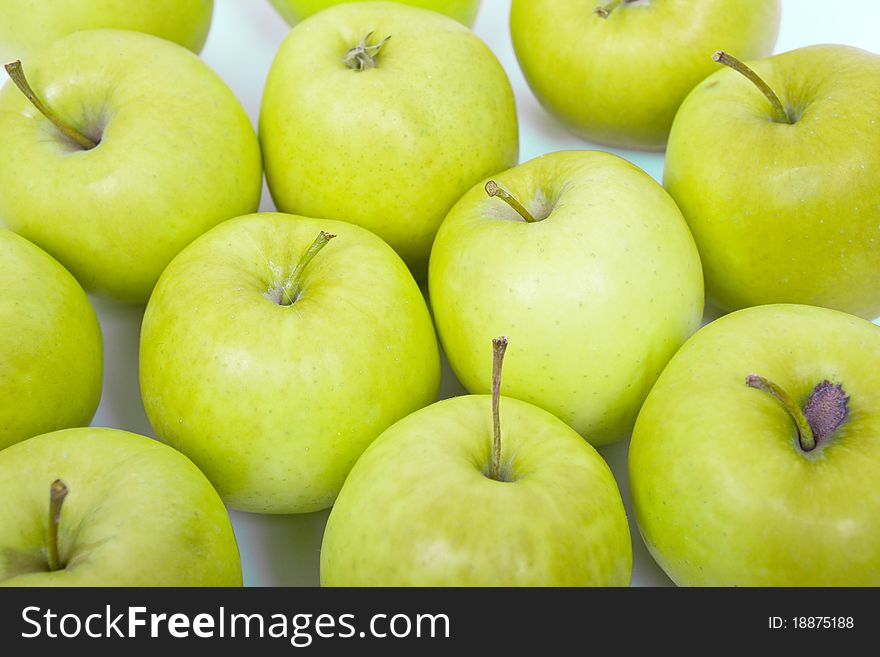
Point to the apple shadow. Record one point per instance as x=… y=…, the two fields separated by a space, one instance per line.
x=280 y=550
x=121 y=406
x=646 y=572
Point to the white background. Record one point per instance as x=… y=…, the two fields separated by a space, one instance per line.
x=284 y=550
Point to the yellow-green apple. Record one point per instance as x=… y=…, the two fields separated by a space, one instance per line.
x=754 y=461
x=616 y=72
x=129 y=148
x=293 y=11
x=50 y=345
x=478 y=490
x=593 y=273
x=384 y=115
x=29 y=26
x=776 y=173
x=102 y=507
x=273 y=364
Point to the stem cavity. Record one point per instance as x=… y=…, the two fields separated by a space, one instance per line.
x=494 y=189
x=16 y=74
x=57 y=492
x=499 y=346
x=826 y=411
x=362 y=56
x=286 y=293
x=779 y=112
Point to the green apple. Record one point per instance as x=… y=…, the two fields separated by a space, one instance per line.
x=596 y=278
x=756 y=457
x=384 y=115
x=29 y=26
x=50 y=345
x=778 y=179
x=616 y=72
x=478 y=491
x=102 y=507
x=139 y=148
x=273 y=370
x=293 y=11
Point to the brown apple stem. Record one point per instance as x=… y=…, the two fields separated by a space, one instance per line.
x=57 y=492
x=805 y=432
x=778 y=109
x=362 y=56
x=499 y=346
x=16 y=74
x=494 y=189
x=604 y=11
x=288 y=291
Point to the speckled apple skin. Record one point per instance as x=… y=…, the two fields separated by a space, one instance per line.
x=27 y=27
x=50 y=345
x=596 y=297
x=177 y=155
x=785 y=213
x=390 y=148
x=417 y=509
x=620 y=80
x=138 y=514
x=723 y=494
x=275 y=403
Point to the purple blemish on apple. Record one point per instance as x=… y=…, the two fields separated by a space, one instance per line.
x=827 y=409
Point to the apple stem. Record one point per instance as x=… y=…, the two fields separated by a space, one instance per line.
x=805 y=432
x=729 y=60
x=362 y=56
x=289 y=291
x=57 y=492
x=16 y=74
x=604 y=11
x=499 y=346
x=494 y=189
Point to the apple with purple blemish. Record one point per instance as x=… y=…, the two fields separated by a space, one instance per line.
x=754 y=461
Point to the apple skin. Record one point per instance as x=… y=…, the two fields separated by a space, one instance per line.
x=571 y=291
x=28 y=26
x=417 y=509
x=390 y=148
x=177 y=155
x=620 y=80
x=723 y=494
x=275 y=403
x=50 y=345
x=785 y=213
x=138 y=514
x=294 y=11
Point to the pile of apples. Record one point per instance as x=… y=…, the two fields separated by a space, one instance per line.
x=289 y=361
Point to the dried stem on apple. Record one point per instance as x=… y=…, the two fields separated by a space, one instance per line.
x=778 y=109
x=499 y=346
x=604 y=11
x=805 y=432
x=57 y=492
x=16 y=74
x=288 y=292
x=362 y=56
x=494 y=189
